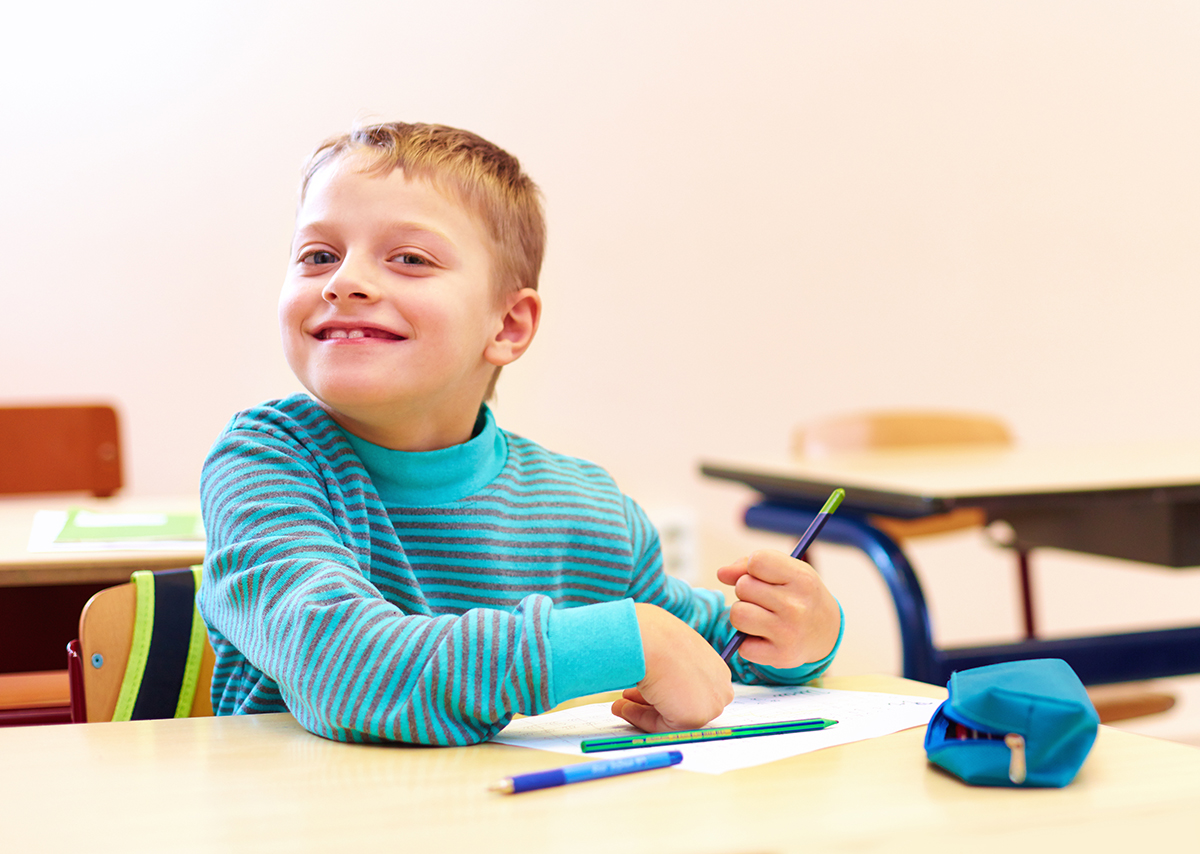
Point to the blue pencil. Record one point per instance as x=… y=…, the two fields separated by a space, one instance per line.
x=586 y=771
x=806 y=540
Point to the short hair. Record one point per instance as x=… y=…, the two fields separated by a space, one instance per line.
x=486 y=178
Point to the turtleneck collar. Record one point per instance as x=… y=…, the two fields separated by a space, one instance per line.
x=432 y=478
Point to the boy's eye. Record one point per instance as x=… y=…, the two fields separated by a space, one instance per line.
x=409 y=258
x=319 y=257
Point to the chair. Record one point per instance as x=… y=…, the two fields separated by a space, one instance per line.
x=35 y=697
x=49 y=449
x=142 y=651
x=59 y=449
x=932 y=428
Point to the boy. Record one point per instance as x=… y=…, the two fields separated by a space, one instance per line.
x=387 y=564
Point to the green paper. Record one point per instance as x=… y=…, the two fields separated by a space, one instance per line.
x=85 y=526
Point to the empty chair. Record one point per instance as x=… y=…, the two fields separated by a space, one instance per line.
x=59 y=449
x=49 y=449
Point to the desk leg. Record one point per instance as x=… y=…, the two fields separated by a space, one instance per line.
x=921 y=661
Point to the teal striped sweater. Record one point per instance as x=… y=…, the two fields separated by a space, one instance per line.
x=379 y=595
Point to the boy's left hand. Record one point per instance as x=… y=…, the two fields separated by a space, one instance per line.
x=784 y=608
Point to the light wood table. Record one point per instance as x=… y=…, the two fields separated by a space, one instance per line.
x=261 y=783
x=1136 y=502
x=20 y=567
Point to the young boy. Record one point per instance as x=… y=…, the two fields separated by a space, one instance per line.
x=387 y=564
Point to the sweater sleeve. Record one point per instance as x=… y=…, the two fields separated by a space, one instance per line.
x=703 y=609
x=298 y=623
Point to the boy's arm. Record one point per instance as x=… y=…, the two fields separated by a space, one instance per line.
x=284 y=586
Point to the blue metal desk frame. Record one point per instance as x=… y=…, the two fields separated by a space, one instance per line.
x=1097 y=659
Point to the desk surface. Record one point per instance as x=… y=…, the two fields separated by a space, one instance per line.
x=261 y=783
x=20 y=567
x=935 y=480
x=1139 y=502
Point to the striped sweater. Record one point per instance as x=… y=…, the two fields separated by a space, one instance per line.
x=380 y=595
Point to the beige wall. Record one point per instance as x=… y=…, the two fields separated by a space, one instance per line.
x=759 y=213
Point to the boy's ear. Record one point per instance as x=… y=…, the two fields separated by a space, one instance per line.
x=518 y=324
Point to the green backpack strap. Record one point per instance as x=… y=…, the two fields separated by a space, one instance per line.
x=168 y=643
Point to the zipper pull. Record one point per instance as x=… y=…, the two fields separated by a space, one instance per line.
x=1016 y=765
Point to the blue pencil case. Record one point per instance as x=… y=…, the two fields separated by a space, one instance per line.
x=1020 y=723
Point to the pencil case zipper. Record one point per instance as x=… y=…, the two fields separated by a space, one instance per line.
x=952 y=732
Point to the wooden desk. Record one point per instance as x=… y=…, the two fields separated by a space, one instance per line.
x=20 y=567
x=261 y=783
x=42 y=593
x=1134 y=502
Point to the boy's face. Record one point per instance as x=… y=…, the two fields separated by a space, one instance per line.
x=388 y=310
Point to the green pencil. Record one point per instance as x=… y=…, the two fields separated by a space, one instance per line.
x=657 y=739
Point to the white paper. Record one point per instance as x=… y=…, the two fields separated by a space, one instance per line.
x=48 y=524
x=88 y=519
x=859 y=715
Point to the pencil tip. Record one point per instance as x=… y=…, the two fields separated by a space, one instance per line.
x=504 y=787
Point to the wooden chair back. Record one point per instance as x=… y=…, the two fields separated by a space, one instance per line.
x=898 y=429
x=106 y=630
x=59 y=449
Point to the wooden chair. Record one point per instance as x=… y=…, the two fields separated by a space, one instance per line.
x=59 y=449
x=34 y=697
x=142 y=651
x=50 y=449
x=933 y=428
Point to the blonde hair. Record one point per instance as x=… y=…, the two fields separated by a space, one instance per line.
x=487 y=179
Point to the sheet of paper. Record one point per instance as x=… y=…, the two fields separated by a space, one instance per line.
x=90 y=526
x=48 y=524
x=859 y=714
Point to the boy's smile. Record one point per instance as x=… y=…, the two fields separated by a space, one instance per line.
x=388 y=313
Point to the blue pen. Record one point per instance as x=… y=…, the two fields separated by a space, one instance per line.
x=806 y=540
x=586 y=771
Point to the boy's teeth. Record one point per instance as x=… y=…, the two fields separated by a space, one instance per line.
x=359 y=333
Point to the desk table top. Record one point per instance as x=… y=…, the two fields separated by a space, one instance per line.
x=1138 y=502
x=21 y=567
x=935 y=480
x=261 y=783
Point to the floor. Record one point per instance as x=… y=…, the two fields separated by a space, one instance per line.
x=1181 y=722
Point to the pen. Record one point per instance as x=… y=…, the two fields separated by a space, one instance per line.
x=656 y=739
x=586 y=771
x=806 y=539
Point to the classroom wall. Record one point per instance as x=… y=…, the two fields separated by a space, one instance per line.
x=760 y=213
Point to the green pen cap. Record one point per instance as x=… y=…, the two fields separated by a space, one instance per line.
x=834 y=500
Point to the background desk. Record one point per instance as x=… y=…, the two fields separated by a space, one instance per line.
x=42 y=593
x=261 y=783
x=1139 y=503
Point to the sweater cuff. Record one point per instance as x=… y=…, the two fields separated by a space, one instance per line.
x=594 y=648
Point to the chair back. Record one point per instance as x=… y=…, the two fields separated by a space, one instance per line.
x=59 y=449
x=898 y=429
x=143 y=651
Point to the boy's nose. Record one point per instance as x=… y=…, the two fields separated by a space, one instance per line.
x=349 y=284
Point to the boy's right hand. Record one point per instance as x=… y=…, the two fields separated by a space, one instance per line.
x=686 y=683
